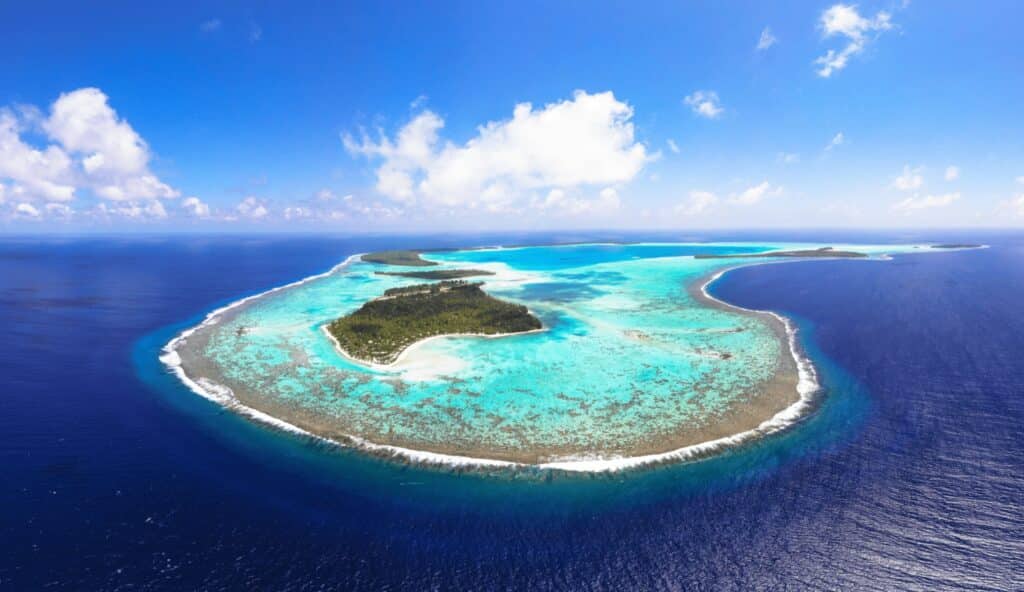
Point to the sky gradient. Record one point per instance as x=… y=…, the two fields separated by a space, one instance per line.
x=429 y=117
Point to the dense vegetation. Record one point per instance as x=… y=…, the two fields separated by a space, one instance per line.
x=438 y=274
x=822 y=252
x=383 y=327
x=404 y=258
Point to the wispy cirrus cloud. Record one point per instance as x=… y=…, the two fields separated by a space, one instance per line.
x=766 y=40
x=843 y=20
x=913 y=204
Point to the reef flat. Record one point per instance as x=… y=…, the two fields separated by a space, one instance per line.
x=636 y=364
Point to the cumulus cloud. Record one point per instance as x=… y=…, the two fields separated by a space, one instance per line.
x=704 y=103
x=910 y=179
x=92 y=148
x=573 y=144
x=252 y=208
x=952 y=173
x=766 y=40
x=756 y=193
x=33 y=173
x=114 y=157
x=60 y=211
x=915 y=203
x=195 y=207
x=136 y=210
x=26 y=210
x=696 y=203
x=297 y=212
x=843 y=20
x=606 y=202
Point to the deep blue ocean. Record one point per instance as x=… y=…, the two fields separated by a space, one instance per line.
x=113 y=476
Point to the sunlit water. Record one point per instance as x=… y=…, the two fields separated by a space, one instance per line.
x=908 y=476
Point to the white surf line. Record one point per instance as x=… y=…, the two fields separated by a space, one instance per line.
x=807 y=386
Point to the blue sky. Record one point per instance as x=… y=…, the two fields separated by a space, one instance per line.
x=432 y=116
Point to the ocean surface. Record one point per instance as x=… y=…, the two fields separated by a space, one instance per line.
x=114 y=476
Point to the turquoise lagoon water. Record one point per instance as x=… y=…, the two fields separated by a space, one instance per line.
x=628 y=362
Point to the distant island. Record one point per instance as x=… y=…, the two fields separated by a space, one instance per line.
x=956 y=246
x=822 y=252
x=437 y=274
x=384 y=327
x=402 y=258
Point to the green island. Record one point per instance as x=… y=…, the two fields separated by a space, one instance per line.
x=956 y=246
x=402 y=258
x=383 y=327
x=822 y=252
x=438 y=274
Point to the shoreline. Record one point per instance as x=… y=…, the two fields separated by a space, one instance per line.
x=806 y=387
x=392 y=366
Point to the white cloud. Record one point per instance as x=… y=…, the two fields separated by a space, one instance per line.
x=672 y=146
x=787 y=157
x=93 y=148
x=915 y=203
x=952 y=173
x=1014 y=205
x=844 y=20
x=26 y=210
x=419 y=102
x=155 y=209
x=195 y=207
x=705 y=103
x=252 y=208
x=585 y=141
x=44 y=174
x=297 y=212
x=1020 y=180
x=837 y=140
x=696 y=203
x=210 y=26
x=255 y=32
x=910 y=179
x=59 y=210
x=755 y=194
x=573 y=204
x=325 y=195
x=766 y=40
x=151 y=210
